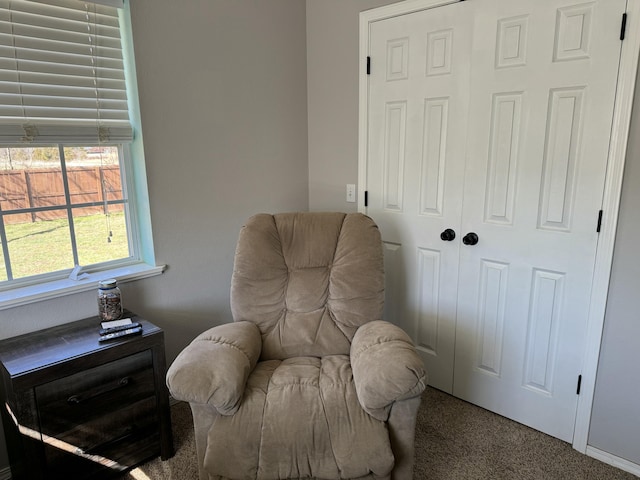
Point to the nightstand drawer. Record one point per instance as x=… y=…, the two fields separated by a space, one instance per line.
x=95 y=392
x=88 y=416
x=116 y=441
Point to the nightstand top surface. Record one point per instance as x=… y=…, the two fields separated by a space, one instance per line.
x=36 y=350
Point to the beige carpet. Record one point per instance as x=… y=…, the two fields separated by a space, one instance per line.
x=454 y=440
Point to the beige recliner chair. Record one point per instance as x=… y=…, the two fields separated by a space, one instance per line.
x=308 y=381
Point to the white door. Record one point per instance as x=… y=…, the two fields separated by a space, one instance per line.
x=419 y=103
x=494 y=122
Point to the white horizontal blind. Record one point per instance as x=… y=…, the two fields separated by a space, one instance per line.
x=62 y=76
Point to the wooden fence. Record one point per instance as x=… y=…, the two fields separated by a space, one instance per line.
x=22 y=189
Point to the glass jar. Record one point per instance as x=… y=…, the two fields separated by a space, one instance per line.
x=109 y=300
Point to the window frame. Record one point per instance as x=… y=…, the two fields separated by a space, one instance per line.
x=142 y=263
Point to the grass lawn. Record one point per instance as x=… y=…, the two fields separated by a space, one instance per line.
x=45 y=246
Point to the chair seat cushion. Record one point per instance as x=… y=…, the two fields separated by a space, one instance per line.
x=299 y=418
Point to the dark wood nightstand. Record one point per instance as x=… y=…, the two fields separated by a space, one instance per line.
x=73 y=407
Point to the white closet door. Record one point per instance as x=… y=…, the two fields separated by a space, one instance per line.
x=543 y=85
x=493 y=117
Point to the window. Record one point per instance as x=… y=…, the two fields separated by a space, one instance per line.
x=71 y=160
x=61 y=206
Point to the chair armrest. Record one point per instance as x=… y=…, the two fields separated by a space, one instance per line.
x=386 y=367
x=214 y=367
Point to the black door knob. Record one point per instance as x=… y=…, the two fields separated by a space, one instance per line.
x=470 y=239
x=448 y=235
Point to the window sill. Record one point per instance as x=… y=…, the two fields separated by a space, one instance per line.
x=44 y=291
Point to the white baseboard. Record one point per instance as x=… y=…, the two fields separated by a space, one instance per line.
x=610 y=459
x=5 y=473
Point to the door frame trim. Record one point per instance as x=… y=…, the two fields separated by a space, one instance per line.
x=611 y=206
x=612 y=191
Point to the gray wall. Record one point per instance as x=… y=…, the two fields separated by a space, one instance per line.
x=223 y=101
x=615 y=416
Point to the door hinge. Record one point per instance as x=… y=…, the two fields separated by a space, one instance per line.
x=623 y=28
x=368 y=65
x=579 y=384
x=599 y=221
x=366 y=198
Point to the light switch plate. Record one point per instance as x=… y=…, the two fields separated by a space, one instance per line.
x=351 y=193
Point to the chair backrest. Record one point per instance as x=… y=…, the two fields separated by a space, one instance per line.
x=308 y=281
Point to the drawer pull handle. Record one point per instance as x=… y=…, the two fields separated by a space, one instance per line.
x=78 y=399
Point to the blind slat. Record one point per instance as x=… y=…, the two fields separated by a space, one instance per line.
x=60 y=91
x=103 y=26
x=77 y=34
x=61 y=69
x=63 y=9
x=70 y=133
x=26 y=48
x=61 y=73
x=69 y=104
x=35 y=114
x=42 y=81
x=39 y=61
